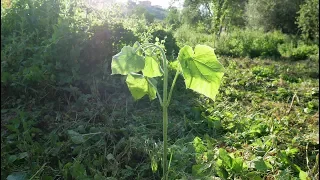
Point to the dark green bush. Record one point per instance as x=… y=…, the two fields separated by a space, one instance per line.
x=170 y=42
x=48 y=44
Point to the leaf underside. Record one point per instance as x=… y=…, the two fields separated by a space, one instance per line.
x=151 y=68
x=139 y=86
x=127 y=61
x=201 y=70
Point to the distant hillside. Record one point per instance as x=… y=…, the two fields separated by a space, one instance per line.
x=157 y=11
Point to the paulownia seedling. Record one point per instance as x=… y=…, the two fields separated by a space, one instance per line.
x=200 y=69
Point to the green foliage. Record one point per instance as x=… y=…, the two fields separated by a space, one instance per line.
x=214 y=15
x=228 y=15
x=173 y=18
x=297 y=51
x=273 y=15
x=186 y=35
x=308 y=20
x=170 y=43
x=242 y=43
x=201 y=70
x=141 y=11
x=195 y=12
x=52 y=43
x=64 y=116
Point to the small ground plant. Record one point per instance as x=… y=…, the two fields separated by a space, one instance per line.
x=142 y=64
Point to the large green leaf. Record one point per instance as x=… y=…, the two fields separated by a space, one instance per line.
x=262 y=165
x=237 y=165
x=201 y=70
x=226 y=159
x=303 y=175
x=127 y=61
x=151 y=68
x=139 y=86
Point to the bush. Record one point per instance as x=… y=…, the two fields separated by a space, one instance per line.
x=185 y=35
x=242 y=43
x=170 y=42
x=308 y=20
x=47 y=44
x=297 y=51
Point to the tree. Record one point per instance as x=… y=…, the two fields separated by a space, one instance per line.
x=228 y=14
x=173 y=17
x=216 y=14
x=308 y=20
x=273 y=14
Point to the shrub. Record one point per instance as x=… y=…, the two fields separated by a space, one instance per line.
x=297 y=51
x=241 y=43
x=170 y=42
x=308 y=20
x=55 y=45
x=185 y=35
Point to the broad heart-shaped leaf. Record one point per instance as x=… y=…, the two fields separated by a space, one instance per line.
x=127 y=61
x=151 y=68
x=201 y=70
x=139 y=86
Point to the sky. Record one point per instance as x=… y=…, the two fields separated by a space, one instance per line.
x=163 y=3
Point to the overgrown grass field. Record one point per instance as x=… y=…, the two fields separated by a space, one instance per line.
x=266 y=115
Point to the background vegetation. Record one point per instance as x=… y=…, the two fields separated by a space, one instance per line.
x=64 y=117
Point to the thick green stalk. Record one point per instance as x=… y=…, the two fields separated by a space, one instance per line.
x=165 y=116
x=165 y=104
x=165 y=142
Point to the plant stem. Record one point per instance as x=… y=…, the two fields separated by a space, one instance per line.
x=164 y=108
x=165 y=115
x=165 y=142
x=159 y=97
x=172 y=86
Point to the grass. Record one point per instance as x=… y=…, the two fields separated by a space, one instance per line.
x=254 y=118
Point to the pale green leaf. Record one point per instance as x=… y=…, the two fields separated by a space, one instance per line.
x=303 y=175
x=201 y=70
x=127 y=61
x=175 y=65
x=139 y=86
x=237 y=165
x=12 y=158
x=110 y=157
x=154 y=165
x=137 y=49
x=151 y=68
x=17 y=176
x=76 y=137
